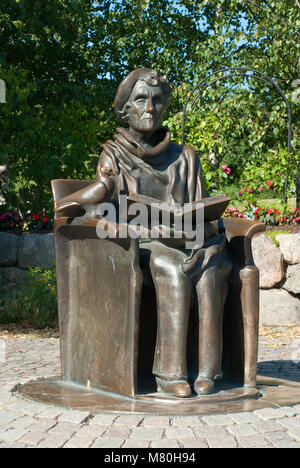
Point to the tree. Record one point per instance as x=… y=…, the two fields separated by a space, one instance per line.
x=62 y=61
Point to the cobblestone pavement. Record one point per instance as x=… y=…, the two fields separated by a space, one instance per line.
x=24 y=424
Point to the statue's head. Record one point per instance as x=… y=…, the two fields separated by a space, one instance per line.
x=142 y=99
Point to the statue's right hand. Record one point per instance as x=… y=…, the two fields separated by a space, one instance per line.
x=104 y=172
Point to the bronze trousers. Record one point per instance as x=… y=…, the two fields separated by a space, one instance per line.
x=174 y=292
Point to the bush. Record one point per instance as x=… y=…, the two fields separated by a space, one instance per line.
x=269 y=215
x=33 y=303
x=15 y=221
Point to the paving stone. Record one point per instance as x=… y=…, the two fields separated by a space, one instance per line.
x=281 y=440
x=208 y=431
x=33 y=438
x=23 y=423
x=179 y=432
x=137 y=443
x=8 y=416
x=54 y=441
x=164 y=443
x=43 y=425
x=26 y=408
x=290 y=423
x=108 y=442
x=128 y=420
x=267 y=426
x=221 y=441
x=155 y=421
x=186 y=421
x=217 y=420
x=275 y=413
x=76 y=417
x=118 y=431
x=77 y=443
x=50 y=413
x=295 y=433
x=146 y=433
x=91 y=431
x=64 y=428
x=193 y=443
x=243 y=418
x=12 y=445
x=252 y=441
x=84 y=438
x=12 y=435
x=241 y=430
x=103 y=419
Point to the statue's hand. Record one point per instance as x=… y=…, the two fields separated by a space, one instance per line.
x=103 y=175
x=104 y=172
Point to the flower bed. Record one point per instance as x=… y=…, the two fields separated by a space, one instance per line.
x=268 y=216
x=14 y=221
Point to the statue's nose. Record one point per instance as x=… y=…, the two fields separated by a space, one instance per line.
x=150 y=107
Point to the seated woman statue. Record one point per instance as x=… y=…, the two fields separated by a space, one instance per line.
x=142 y=159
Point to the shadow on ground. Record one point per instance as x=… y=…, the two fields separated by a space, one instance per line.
x=289 y=370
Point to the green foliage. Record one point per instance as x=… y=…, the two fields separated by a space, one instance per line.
x=273 y=234
x=62 y=61
x=34 y=302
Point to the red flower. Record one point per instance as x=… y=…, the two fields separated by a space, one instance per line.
x=35 y=217
x=297 y=220
x=45 y=219
x=269 y=211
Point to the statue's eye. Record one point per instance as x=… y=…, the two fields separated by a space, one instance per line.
x=140 y=98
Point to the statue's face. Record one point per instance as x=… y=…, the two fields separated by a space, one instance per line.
x=145 y=107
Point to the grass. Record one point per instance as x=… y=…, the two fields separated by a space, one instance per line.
x=273 y=235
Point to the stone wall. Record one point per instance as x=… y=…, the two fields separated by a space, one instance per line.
x=20 y=252
x=279 y=268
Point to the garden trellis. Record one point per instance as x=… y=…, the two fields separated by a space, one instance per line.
x=233 y=72
x=2 y=92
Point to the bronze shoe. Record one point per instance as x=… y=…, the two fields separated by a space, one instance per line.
x=204 y=386
x=176 y=388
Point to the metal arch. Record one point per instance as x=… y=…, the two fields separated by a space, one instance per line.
x=240 y=71
x=2 y=92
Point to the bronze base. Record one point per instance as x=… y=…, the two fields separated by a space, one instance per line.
x=270 y=393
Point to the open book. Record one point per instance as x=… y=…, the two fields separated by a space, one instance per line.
x=214 y=207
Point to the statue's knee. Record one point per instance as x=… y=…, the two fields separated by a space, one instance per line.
x=162 y=267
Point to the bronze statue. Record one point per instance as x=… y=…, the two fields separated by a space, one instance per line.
x=143 y=160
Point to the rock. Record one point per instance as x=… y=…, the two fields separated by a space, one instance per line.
x=269 y=260
x=289 y=245
x=13 y=275
x=292 y=283
x=8 y=248
x=278 y=307
x=36 y=250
